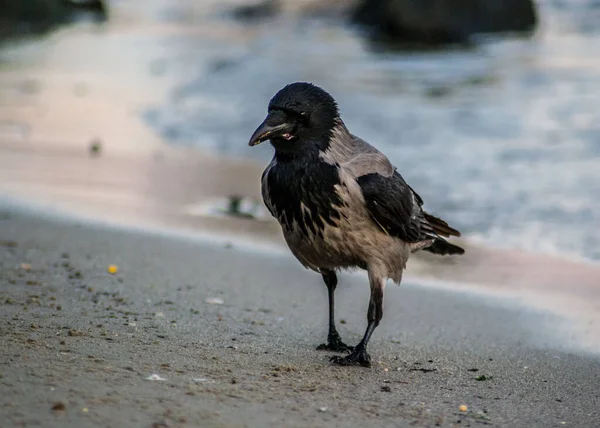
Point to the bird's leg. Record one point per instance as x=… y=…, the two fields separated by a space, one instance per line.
x=334 y=341
x=359 y=355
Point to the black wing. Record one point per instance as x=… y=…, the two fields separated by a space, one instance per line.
x=396 y=208
x=392 y=204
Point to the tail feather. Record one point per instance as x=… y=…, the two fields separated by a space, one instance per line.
x=444 y=248
x=439 y=226
x=441 y=230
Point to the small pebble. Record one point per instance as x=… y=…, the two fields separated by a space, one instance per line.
x=463 y=408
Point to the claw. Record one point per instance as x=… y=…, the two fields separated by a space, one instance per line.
x=335 y=347
x=358 y=357
x=335 y=344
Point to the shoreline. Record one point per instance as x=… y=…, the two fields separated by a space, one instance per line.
x=154 y=192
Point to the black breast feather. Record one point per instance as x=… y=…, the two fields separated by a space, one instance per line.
x=292 y=183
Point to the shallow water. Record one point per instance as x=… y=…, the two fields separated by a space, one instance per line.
x=502 y=140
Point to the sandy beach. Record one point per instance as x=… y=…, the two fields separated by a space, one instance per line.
x=79 y=344
x=209 y=321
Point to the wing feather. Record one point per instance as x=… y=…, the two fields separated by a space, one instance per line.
x=396 y=208
x=393 y=205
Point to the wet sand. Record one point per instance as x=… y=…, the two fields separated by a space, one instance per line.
x=78 y=343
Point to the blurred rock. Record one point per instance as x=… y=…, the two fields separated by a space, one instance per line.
x=39 y=16
x=428 y=22
x=19 y=16
x=444 y=21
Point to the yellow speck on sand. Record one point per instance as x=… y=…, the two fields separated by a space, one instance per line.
x=462 y=408
x=85 y=410
x=112 y=269
x=25 y=266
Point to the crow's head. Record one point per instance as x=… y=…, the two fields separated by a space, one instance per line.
x=301 y=115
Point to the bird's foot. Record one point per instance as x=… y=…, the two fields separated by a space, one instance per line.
x=335 y=344
x=358 y=357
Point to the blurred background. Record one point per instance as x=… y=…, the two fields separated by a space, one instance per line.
x=489 y=108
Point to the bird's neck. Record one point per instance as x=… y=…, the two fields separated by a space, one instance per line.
x=307 y=149
x=298 y=152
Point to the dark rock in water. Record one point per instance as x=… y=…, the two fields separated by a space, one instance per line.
x=444 y=21
x=18 y=16
x=39 y=16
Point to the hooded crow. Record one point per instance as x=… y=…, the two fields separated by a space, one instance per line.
x=341 y=203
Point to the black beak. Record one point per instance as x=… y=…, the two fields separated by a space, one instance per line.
x=272 y=127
